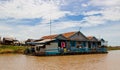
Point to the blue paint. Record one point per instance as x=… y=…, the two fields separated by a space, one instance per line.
x=74 y=50
x=72 y=43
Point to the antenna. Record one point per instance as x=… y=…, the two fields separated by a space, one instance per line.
x=50 y=26
x=99 y=36
x=80 y=28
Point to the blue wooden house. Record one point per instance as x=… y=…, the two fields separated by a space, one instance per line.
x=67 y=43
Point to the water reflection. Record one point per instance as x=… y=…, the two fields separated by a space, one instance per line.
x=110 y=61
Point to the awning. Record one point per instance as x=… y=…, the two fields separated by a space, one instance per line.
x=44 y=41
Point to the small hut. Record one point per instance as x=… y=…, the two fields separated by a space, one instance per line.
x=8 y=40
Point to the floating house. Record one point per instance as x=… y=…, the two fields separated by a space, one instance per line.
x=67 y=43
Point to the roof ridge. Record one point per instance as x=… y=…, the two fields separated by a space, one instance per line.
x=66 y=35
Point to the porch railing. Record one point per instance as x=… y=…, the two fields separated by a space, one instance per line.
x=54 y=51
x=88 y=50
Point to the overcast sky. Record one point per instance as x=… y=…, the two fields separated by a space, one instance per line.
x=25 y=19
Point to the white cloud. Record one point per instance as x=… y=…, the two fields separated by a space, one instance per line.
x=108 y=11
x=84 y=5
x=23 y=32
x=107 y=3
x=5 y=28
x=111 y=14
x=31 y=9
x=93 y=20
x=110 y=33
x=90 y=13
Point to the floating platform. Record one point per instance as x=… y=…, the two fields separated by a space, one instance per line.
x=57 y=52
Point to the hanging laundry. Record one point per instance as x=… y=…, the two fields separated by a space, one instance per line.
x=62 y=44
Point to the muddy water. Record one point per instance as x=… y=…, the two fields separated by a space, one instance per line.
x=110 y=61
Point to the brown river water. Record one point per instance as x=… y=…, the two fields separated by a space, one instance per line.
x=110 y=61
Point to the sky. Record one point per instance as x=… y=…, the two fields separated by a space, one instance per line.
x=23 y=19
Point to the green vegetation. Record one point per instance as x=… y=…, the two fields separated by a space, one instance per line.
x=11 y=49
x=113 y=47
x=21 y=49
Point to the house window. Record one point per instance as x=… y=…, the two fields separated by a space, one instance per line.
x=83 y=44
x=59 y=43
x=73 y=43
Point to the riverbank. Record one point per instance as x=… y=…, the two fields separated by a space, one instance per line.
x=20 y=49
x=113 y=48
x=11 y=49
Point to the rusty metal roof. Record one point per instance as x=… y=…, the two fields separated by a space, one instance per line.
x=66 y=35
x=50 y=37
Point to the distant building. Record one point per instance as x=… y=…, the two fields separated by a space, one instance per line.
x=30 y=41
x=0 y=40
x=103 y=42
x=10 y=41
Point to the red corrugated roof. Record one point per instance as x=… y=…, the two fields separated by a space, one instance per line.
x=92 y=38
x=68 y=34
x=50 y=37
